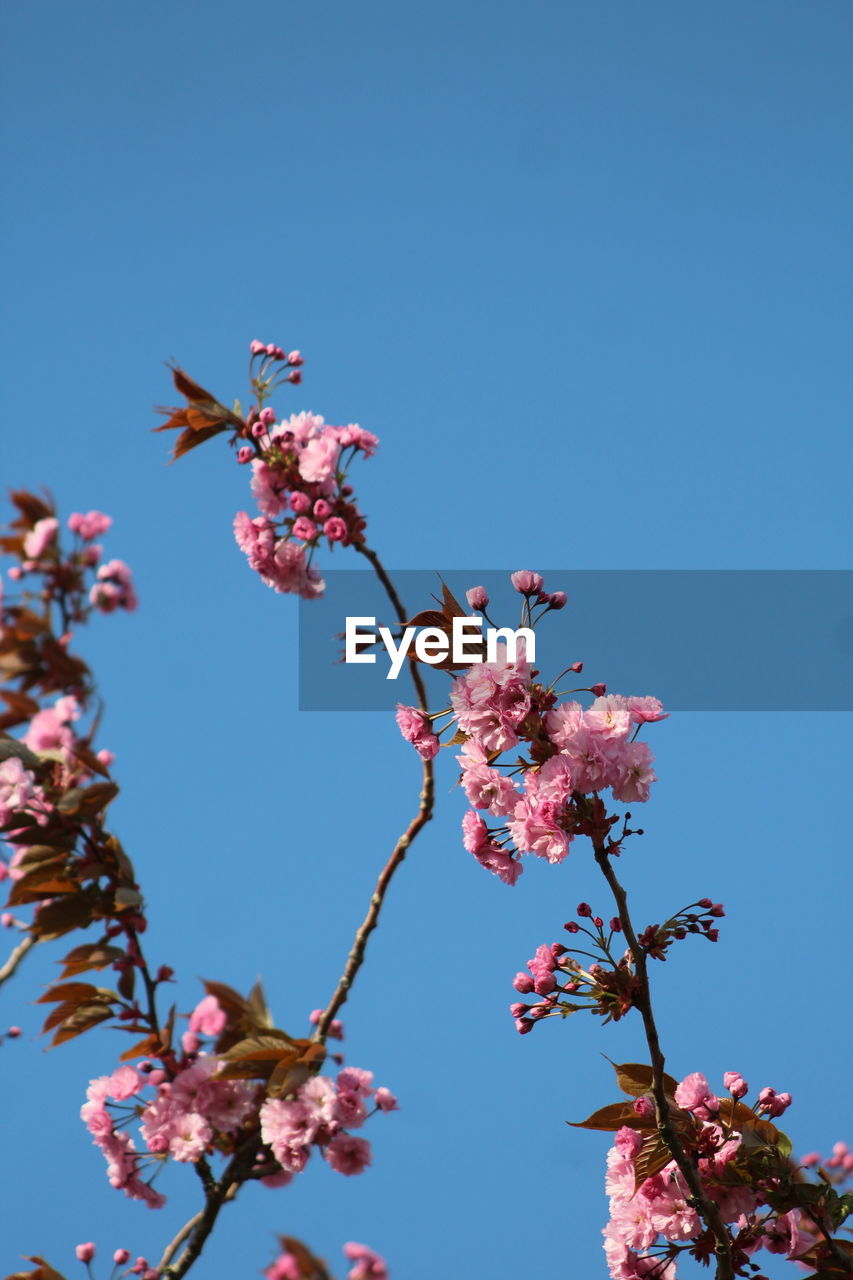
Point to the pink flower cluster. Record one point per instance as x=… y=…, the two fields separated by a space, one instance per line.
x=645 y=1220
x=320 y=1115
x=113 y=586
x=19 y=793
x=184 y=1120
x=368 y=1265
x=572 y=750
x=298 y=480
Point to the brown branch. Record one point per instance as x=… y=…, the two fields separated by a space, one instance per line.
x=706 y=1208
x=16 y=956
x=355 y=959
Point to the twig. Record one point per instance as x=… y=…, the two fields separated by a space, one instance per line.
x=704 y=1206
x=16 y=956
x=355 y=959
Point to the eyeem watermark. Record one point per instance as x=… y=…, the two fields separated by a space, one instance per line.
x=467 y=642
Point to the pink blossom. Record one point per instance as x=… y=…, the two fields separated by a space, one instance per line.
x=385 y=1100
x=563 y=722
x=477 y=597
x=535 y=829
x=735 y=1084
x=499 y=862
x=645 y=710
x=304 y=529
x=348 y=1155
x=526 y=582
x=319 y=458
x=632 y=774
x=694 y=1092
x=208 y=1017
x=40 y=537
x=335 y=529
x=113 y=588
x=285 y=1267
x=18 y=790
x=368 y=1265
x=89 y=526
x=609 y=716
x=487 y=788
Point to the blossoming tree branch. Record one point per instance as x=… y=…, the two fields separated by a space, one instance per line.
x=697 y=1171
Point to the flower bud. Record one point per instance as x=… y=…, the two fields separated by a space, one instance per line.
x=121 y=1256
x=599 y=690
x=735 y=1084
x=523 y=983
x=584 y=909
x=558 y=599
x=85 y=1252
x=477 y=597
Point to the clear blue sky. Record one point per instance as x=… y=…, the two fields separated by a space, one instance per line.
x=584 y=269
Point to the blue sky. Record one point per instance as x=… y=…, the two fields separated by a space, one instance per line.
x=584 y=270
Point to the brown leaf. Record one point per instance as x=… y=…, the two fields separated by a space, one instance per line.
x=256 y=1057
x=653 y=1156
x=91 y=955
x=636 y=1079
x=44 y=1271
x=83 y=1019
x=310 y=1267
x=288 y=1076
x=72 y=911
x=609 y=1119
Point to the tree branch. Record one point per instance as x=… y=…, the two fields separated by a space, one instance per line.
x=16 y=956
x=704 y=1206
x=355 y=959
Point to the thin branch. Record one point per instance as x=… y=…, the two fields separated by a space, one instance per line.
x=355 y=959
x=172 y=1248
x=705 y=1207
x=16 y=956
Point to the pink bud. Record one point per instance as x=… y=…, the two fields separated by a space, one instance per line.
x=321 y=509
x=706 y=903
x=599 y=690
x=121 y=1256
x=518 y=1010
x=812 y=1159
x=267 y=417
x=584 y=909
x=572 y=926
x=559 y=599
x=616 y=924
x=735 y=1084
x=294 y=376
x=577 y=667
x=256 y=348
x=7 y=920
x=13 y=1033
x=295 y=358
x=523 y=983
x=477 y=597
x=85 y=1252
x=644 y=1108
x=245 y=454
x=299 y=502
x=523 y=1025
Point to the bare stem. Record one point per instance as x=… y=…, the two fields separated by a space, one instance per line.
x=16 y=956
x=355 y=959
x=706 y=1208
